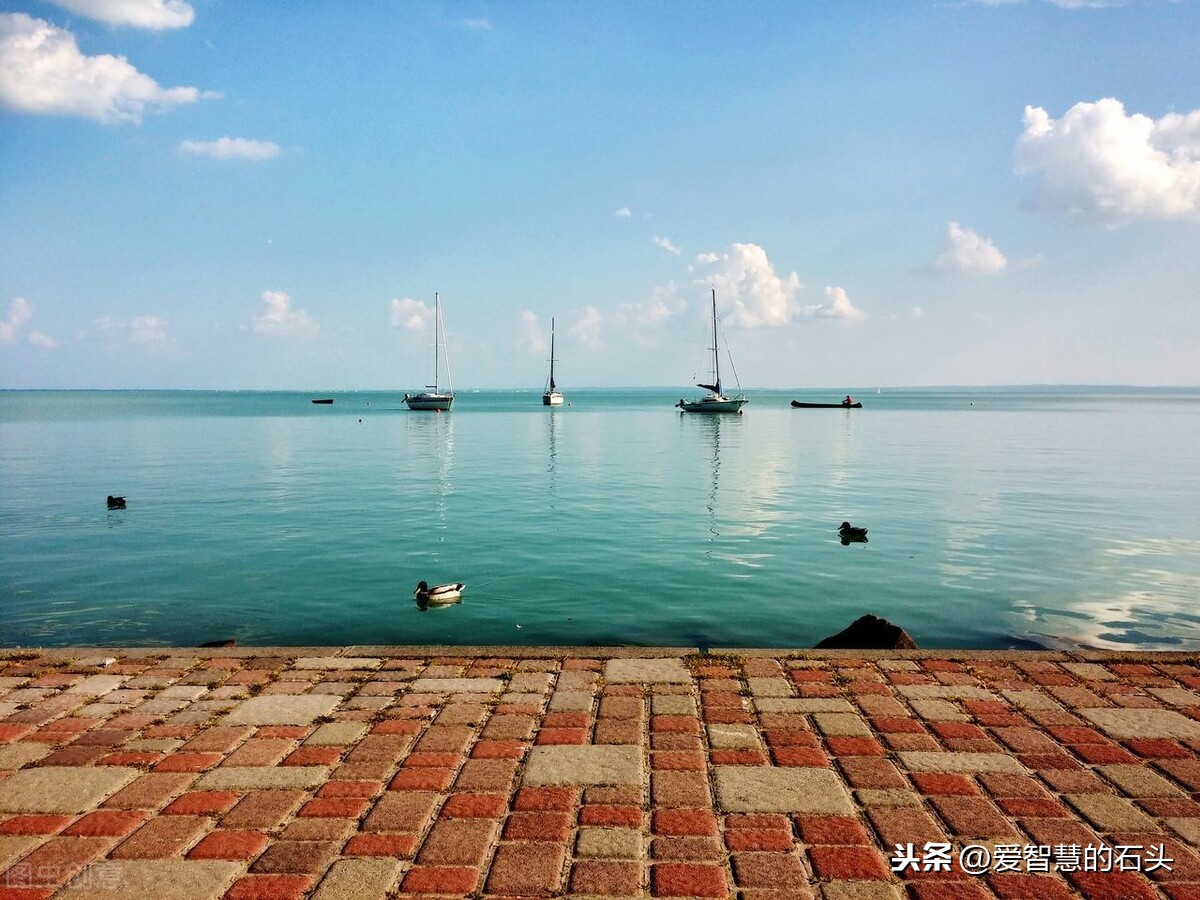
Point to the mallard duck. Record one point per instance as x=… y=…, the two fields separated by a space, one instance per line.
x=116 y=502
x=441 y=593
x=851 y=531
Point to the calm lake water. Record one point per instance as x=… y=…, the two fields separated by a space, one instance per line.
x=998 y=518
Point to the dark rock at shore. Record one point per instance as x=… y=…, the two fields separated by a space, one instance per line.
x=227 y=642
x=869 y=633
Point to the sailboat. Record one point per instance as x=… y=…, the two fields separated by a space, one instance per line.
x=553 y=396
x=715 y=401
x=433 y=397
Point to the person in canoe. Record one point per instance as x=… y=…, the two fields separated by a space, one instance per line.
x=849 y=401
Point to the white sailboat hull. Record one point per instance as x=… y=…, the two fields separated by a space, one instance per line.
x=713 y=405
x=552 y=398
x=427 y=401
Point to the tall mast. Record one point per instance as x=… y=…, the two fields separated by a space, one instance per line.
x=437 y=330
x=716 y=354
x=552 y=353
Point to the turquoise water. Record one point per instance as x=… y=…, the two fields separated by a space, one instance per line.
x=998 y=518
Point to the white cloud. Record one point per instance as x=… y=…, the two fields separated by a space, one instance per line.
x=476 y=24
x=231 y=148
x=1086 y=4
x=916 y=312
x=748 y=290
x=750 y=294
x=1061 y=4
x=155 y=14
x=280 y=320
x=587 y=326
x=411 y=314
x=532 y=338
x=41 y=340
x=970 y=253
x=839 y=307
x=1098 y=163
x=19 y=313
x=667 y=245
x=663 y=305
x=42 y=71
x=623 y=213
x=148 y=330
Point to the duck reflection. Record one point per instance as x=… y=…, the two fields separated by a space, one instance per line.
x=424 y=602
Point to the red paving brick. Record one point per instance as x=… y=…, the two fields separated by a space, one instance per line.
x=440 y=880
x=832 y=830
x=335 y=807
x=754 y=839
x=848 y=862
x=188 y=762
x=34 y=824
x=680 y=822
x=233 y=845
x=475 y=806
x=57 y=861
x=538 y=826
x=269 y=887
x=313 y=756
x=438 y=781
x=106 y=823
x=202 y=803
x=626 y=816
x=400 y=845
x=688 y=880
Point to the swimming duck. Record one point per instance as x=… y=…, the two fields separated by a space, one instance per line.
x=441 y=593
x=116 y=502
x=851 y=531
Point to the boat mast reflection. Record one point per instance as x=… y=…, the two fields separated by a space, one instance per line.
x=434 y=441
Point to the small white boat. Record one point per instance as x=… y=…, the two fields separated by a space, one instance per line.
x=433 y=397
x=715 y=400
x=553 y=396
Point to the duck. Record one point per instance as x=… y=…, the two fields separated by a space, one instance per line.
x=441 y=593
x=116 y=502
x=852 y=531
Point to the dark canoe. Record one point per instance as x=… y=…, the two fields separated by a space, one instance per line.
x=328 y=400
x=798 y=405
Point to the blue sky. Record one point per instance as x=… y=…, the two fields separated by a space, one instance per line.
x=219 y=194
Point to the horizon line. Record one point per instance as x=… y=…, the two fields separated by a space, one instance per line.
x=1088 y=385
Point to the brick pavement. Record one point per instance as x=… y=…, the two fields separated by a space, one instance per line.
x=541 y=772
